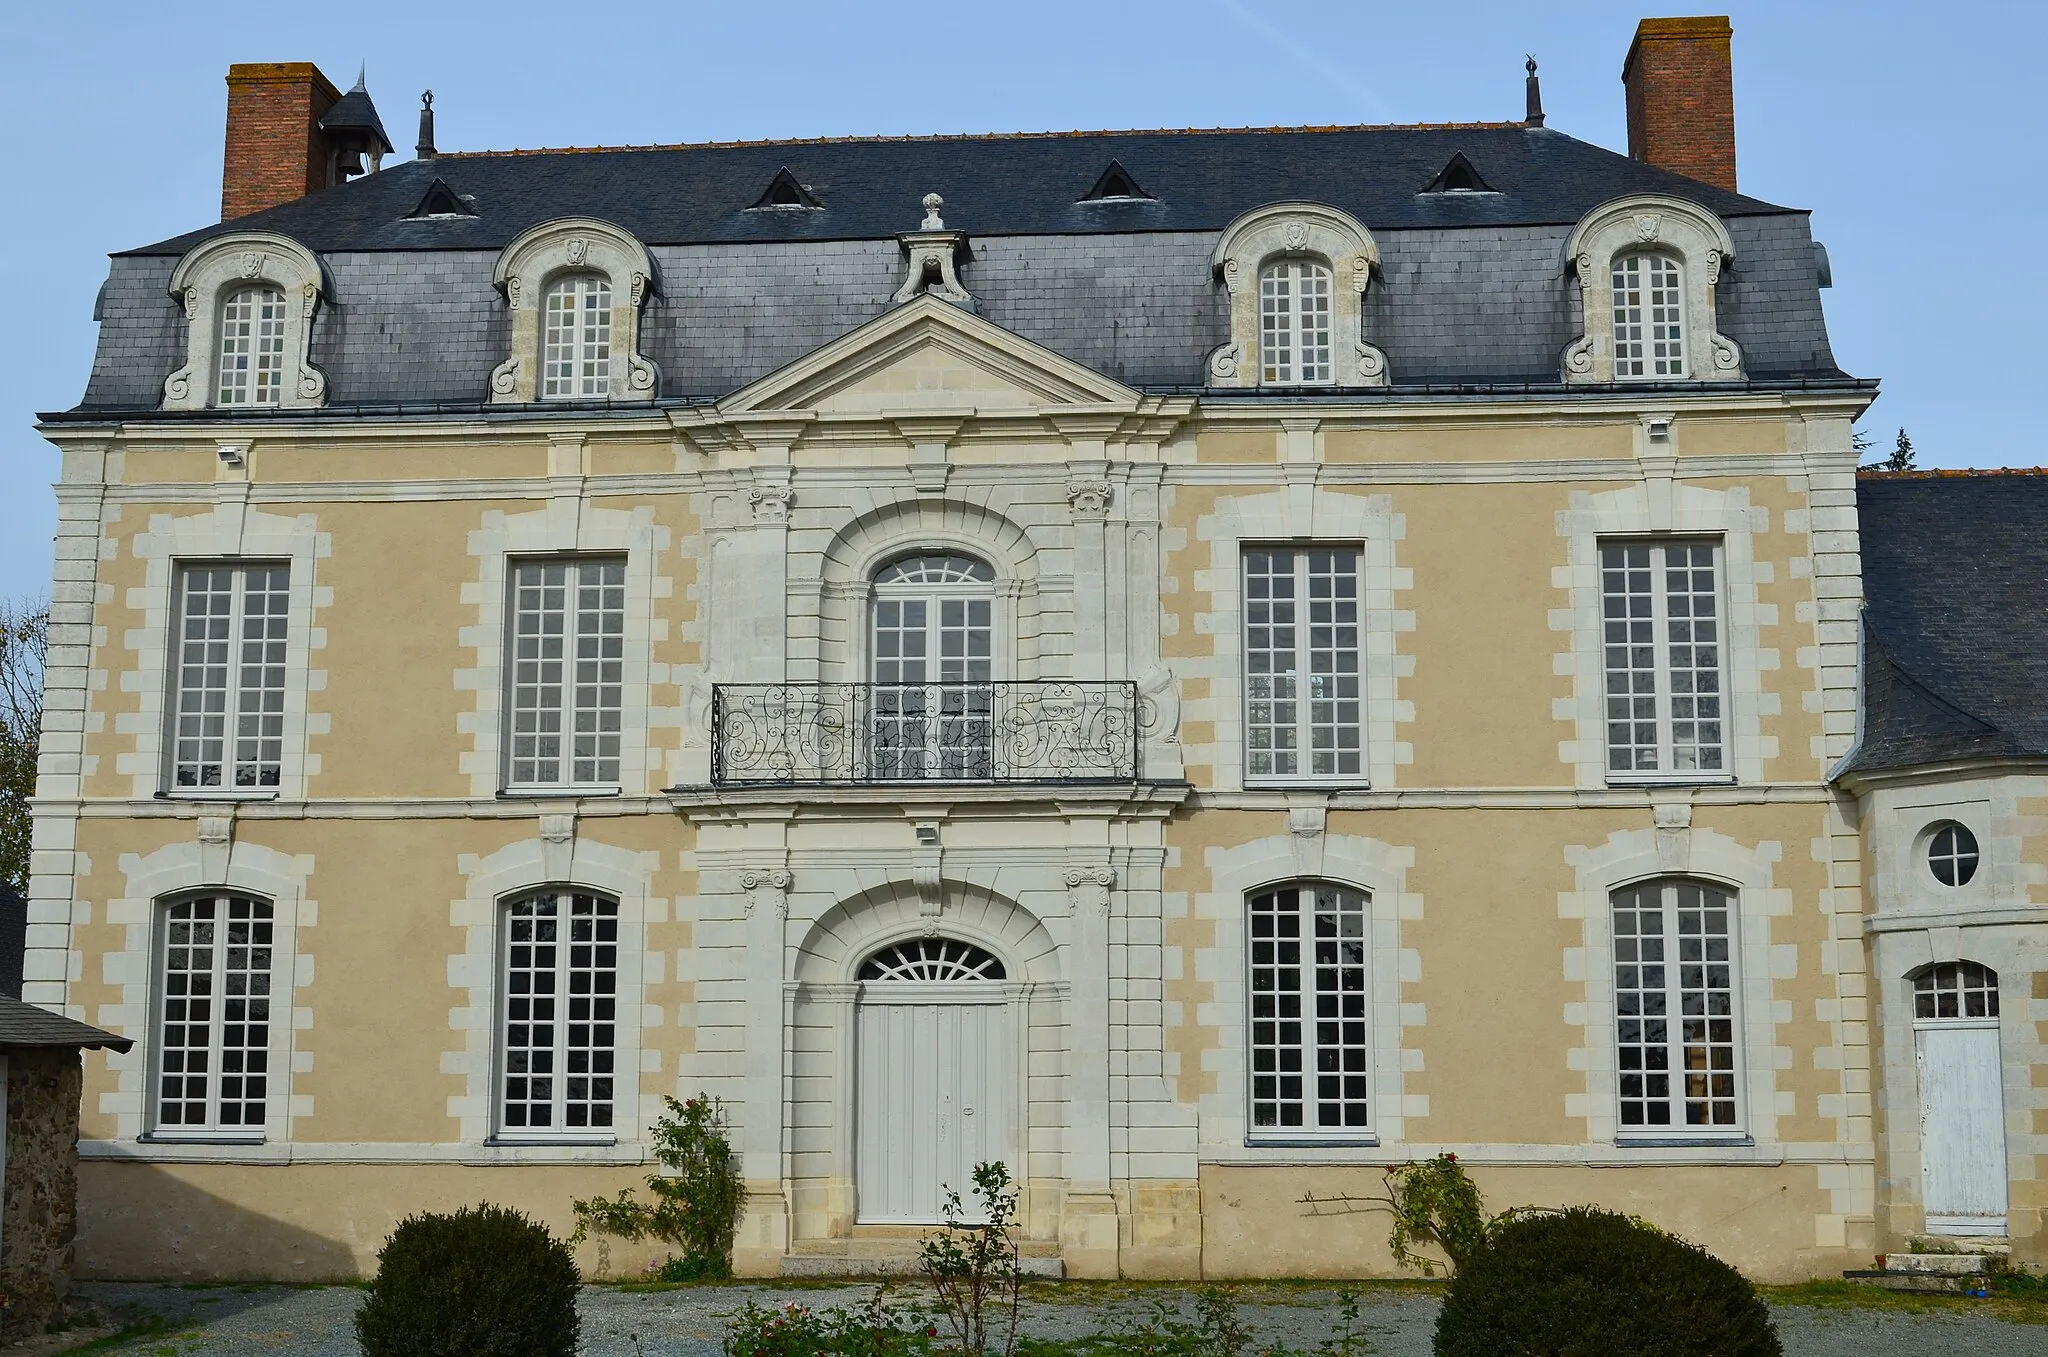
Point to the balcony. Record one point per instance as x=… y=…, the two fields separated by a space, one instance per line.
x=1050 y=730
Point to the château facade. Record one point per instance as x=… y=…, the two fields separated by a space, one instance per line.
x=1197 y=664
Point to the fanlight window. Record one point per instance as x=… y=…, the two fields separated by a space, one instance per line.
x=932 y=959
x=936 y=570
x=1294 y=323
x=1956 y=989
x=576 y=348
x=252 y=347
x=1649 y=317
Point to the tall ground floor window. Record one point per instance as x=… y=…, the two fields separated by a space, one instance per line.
x=559 y=1033
x=213 y=1030
x=1674 y=1006
x=1306 y=989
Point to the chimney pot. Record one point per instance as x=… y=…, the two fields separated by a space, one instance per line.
x=275 y=151
x=1680 y=83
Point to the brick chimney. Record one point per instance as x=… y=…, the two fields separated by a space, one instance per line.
x=276 y=152
x=1680 y=78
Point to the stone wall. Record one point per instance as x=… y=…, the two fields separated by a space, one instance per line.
x=41 y=1189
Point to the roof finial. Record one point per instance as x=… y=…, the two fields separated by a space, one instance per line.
x=1534 y=117
x=362 y=78
x=425 y=150
x=932 y=203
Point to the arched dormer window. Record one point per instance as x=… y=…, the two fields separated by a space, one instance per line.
x=575 y=288
x=1647 y=267
x=249 y=299
x=1296 y=275
x=576 y=348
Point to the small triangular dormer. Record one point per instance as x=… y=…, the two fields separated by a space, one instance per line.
x=440 y=201
x=1116 y=185
x=785 y=192
x=1458 y=177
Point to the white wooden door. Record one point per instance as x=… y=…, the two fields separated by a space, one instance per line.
x=934 y=1096
x=1962 y=1128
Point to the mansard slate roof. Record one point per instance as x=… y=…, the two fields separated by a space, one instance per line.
x=1473 y=287
x=1955 y=620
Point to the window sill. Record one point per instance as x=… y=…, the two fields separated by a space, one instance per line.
x=1673 y=1142
x=559 y=793
x=1671 y=779
x=1307 y=784
x=220 y=794
x=1367 y=1141
x=202 y=1138
x=504 y=1142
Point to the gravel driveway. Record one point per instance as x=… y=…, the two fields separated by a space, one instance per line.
x=230 y=1321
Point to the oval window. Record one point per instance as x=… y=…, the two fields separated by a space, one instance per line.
x=1952 y=854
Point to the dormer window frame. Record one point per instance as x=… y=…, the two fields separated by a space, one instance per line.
x=528 y=270
x=210 y=278
x=1649 y=227
x=1294 y=233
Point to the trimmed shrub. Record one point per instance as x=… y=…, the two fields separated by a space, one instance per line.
x=484 y=1282
x=1589 y=1283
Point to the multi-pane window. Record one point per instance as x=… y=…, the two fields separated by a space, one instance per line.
x=252 y=347
x=1956 y=989
x=227 y=711
x=1294 y=323
x=1303 y=687
x=576 y=344
x=561 y=1003
x=567 y=672
x=1661 y=635
x=1952 y=854
x=1674 y=1005
x=934 y=658
x=1310 y=1056
x=213 y=1052
x=1649 y=317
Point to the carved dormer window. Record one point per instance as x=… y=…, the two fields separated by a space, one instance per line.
x=1296 y=275
x=576 y=288
x=249 y=299
x=1647 y=268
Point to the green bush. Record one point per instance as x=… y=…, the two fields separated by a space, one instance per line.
x=484 y=1282
x=876 y=1329
x=1589 y=1283
x=697 y=1198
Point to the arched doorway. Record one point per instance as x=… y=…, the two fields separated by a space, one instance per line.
x=935 y=1077
x=1962 y=1098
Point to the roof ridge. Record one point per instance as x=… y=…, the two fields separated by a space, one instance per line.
x=1941 y=473
x=991 y=136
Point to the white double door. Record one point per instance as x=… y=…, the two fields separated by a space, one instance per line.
x=1962 y=1127
x=935 y=1095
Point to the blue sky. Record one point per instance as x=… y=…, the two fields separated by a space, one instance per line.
x=1912 y=131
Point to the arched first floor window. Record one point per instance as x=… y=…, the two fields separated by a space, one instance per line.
x=558 y=1033
x=576 y=343
x=1294 y=323
x=933 y=659
x=1309 y=1037
x=213 y=1029
x=1955 y=989
x=1649 y=316
x=1674 y=1002
x=252 y=347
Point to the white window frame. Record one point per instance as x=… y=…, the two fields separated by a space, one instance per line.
x=250 y=358
x=560 y=1046
x=1304 y=724
x=236 y=695
x=1648 y=291
x=569 y=709
x=1293 y=349
x=1355 y=1049
x=1667 y=716
x=211 y=1128
x=576 y=339
x=1673 y=990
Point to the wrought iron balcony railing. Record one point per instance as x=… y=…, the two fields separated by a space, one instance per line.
x=1050 y=730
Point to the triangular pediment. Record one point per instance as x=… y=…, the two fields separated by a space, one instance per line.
x=928 y=354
